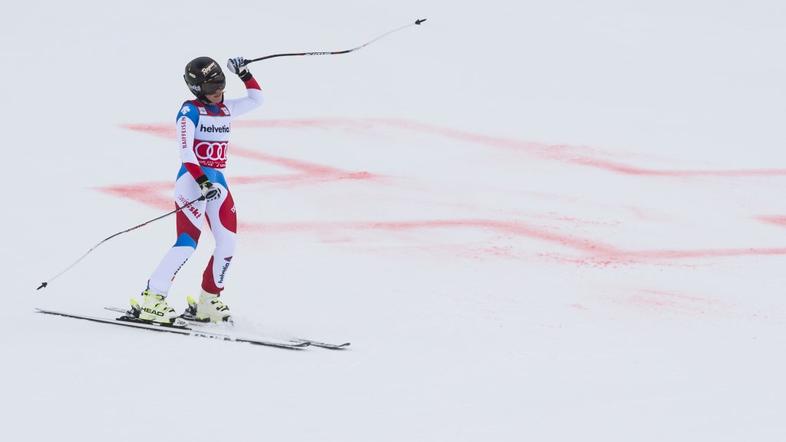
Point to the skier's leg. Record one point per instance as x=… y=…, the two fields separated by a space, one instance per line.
x=222 y=219
x=188 y=224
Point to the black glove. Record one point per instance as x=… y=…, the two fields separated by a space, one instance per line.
x=209 y=191
x=238 y=66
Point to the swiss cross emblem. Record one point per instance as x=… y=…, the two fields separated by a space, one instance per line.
x=184 y=110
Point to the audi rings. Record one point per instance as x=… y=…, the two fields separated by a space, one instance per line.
x=211 y=150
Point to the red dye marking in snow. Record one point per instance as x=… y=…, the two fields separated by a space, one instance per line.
x=164 y=131
x=325 y=172
x=155 y=194
x=302 y=166
x=596 y=253
x=779 y=220
x=631 y=170
x=668 y=301
x=668 y=256
x=363 y=175
x=571 y=154
x=703 y=253
x=147 y=193
x=507 y=227
x=599 y=253
x=563 y=153
x=678 y=296
x=298 y=179
x=160 y=130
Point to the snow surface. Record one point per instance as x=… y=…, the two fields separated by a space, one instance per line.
x=534 y=220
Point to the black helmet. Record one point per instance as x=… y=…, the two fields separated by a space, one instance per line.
x=204 y=76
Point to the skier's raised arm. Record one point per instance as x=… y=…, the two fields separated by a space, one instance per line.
x=239 y=106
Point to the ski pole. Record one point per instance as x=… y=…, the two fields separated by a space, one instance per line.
x=346 y=51
x=46 y=283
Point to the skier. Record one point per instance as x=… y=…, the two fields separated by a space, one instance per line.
x=203 y=127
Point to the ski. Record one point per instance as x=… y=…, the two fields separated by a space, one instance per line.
x=326 y=345
x=295 y=341
x=133 y=322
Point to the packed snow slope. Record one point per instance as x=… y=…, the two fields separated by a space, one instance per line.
x=533 y=220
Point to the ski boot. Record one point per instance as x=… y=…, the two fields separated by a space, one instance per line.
x=154 y=308
x=210 y=308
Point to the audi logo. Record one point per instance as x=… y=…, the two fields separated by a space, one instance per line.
x=211 y=151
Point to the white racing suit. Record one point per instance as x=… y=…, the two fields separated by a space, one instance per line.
x=202 y=134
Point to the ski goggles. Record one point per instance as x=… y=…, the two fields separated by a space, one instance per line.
x=214 y=86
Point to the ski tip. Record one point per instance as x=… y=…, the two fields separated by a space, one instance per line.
x=420 y=20
x=43 y=285
x=289 y=345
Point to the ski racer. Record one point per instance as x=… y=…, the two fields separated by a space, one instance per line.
x=203 y=127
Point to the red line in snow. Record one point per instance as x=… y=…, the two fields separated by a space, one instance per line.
x=312 y=169
x=664 y=256
x=779 y=220
x=671 y=302
x=167 y=131
x=157 y=194
x=516 y=228
x=705 y=253
x=578 y=155
x=145 y=193
x=595 y=252
x=631 y=170
x=572 y=154
x=678 y=295
x=159 y=130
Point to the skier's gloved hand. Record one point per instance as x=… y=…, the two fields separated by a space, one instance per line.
x=238 y=66
x=209 y=191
